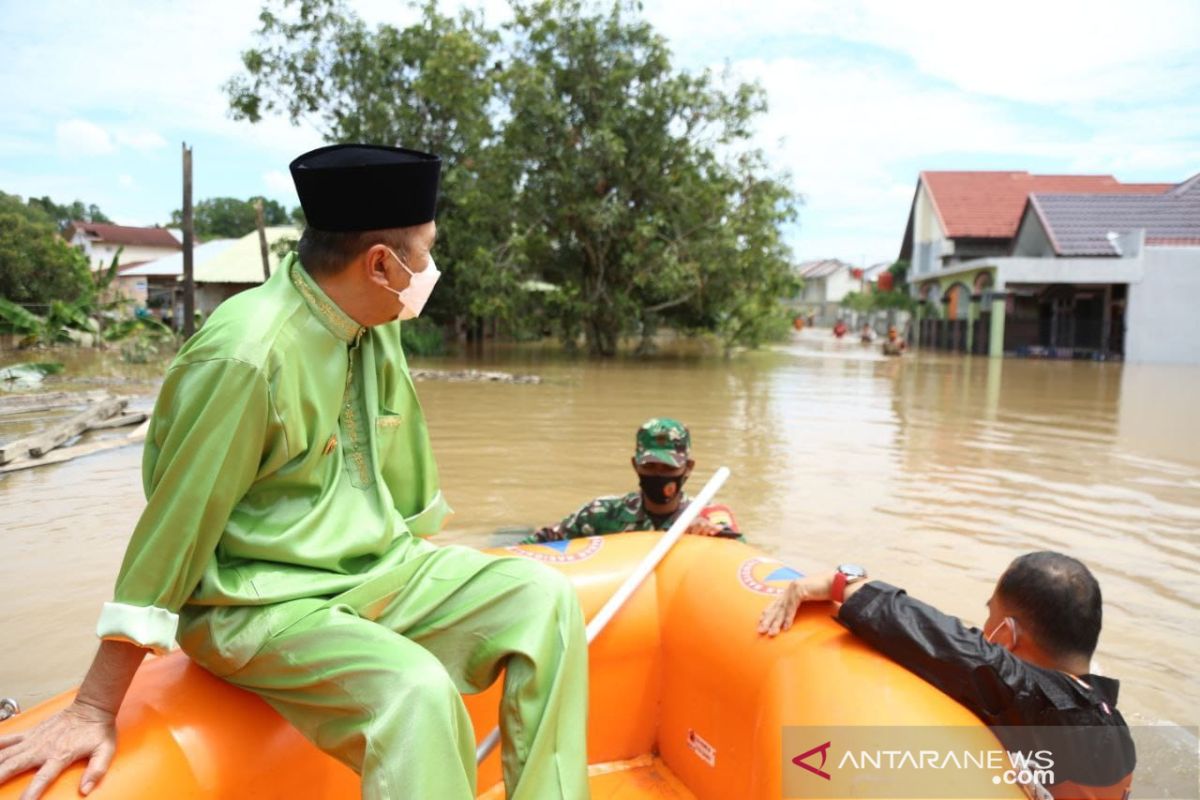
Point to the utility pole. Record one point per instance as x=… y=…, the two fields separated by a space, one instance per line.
x=189 y=285
x=262 y=239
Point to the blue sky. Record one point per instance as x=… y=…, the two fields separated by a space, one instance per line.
x=863 y=95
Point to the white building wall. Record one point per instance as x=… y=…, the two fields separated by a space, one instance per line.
x=814 y=290
x=100 y=254
x=839 y=284
x=1162 y=316
x=1032 y=240
x=929 y=240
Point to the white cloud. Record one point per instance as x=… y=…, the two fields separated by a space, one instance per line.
x=863 y=93
x=167 y=74
x=78 y=137
x=126 y=181
x=140 y=139
x=279 y=184
x=1027 y=50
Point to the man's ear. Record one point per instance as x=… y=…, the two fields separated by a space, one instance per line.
x=377 y=265
x=691 y=464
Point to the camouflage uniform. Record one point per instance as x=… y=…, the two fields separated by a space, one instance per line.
x=659 y=440
x=612 y=514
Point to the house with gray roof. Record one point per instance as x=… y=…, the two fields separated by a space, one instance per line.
x=827 y=281
x=1088 y=275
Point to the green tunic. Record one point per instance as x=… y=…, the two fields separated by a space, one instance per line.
x=289 y=478
x=308 y=422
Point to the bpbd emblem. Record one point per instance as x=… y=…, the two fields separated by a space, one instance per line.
x=565 y=551
x=766 y=575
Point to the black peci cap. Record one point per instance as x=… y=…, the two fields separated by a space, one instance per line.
x=365 y=187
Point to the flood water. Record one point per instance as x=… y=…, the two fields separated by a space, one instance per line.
x=934 y=471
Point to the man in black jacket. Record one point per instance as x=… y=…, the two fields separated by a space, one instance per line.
x=1029 y=666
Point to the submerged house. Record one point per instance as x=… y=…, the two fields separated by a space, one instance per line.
x=1060 y=266
x=131 y=246
x=238 y=267
x=827 y=281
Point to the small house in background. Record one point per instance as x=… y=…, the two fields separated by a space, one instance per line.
x=826 y=284
x=100 y=242
x=237 y=267
x=163 y=276
x=878 y=277
x=1065 y=266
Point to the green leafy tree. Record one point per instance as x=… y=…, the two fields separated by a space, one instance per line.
x=36 y=265
x=231 y=218
x=639 y=187
x=64 y=215
x=575 y=154
x=432 y=86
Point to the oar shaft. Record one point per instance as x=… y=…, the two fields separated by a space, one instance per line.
x=639 y=574
x=652 y=559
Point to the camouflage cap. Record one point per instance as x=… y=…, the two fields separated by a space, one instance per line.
x=663 y=441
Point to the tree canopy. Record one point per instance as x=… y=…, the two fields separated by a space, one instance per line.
x=576 y=154
x=231 y=218
x=36 y=265
x=64 y=215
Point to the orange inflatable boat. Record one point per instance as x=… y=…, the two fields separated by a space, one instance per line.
x=687 y=701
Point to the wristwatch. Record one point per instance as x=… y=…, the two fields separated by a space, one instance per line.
x=846 y=574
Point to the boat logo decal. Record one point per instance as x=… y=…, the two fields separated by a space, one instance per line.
x=565 y=551
x=703 y=750
x=766 y=575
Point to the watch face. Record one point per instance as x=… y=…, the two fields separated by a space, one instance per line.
x=852 y=571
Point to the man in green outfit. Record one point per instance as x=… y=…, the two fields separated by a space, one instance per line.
x=663 y=461
x=289 y=483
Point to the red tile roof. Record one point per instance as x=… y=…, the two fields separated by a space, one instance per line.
x=988 y=205
x=124 y=234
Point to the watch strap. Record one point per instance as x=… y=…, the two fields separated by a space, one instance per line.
x=837 y=592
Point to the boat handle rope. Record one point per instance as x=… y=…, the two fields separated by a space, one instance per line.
x=639 y=574
x=9 y=707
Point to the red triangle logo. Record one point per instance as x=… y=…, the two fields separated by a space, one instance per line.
x=823 y=749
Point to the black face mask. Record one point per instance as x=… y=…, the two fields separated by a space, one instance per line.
x=654 y=487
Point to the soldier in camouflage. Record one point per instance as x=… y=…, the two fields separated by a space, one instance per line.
x=662 y=460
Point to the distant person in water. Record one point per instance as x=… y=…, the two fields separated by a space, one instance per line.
x=866 y=336
x=663 y=462
x=895 y=344
x=839 y=328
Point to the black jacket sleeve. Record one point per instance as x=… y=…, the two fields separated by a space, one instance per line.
x=984 y=677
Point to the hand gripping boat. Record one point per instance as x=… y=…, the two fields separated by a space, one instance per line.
x=687 y=700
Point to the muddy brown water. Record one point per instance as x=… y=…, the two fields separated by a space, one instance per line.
x=933 y=471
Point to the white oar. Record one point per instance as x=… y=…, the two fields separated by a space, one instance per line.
x=647 y=565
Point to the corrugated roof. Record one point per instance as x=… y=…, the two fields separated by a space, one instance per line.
x=1080 y=224
x=123 y=234
x=172 y=265
x=241 y=262
x=988 y=205
x=821 y=268
x=872 y=272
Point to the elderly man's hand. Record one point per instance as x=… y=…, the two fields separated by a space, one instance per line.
x=782 y=612
x=703 y=527
x=77 y=732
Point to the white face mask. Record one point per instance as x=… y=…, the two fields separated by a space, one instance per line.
x=1011 y=623
x=414 y=296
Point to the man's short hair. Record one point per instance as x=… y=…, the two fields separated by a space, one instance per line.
x=1057 y=598
x=328 y=252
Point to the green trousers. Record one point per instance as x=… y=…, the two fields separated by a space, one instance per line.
x=373 y=675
